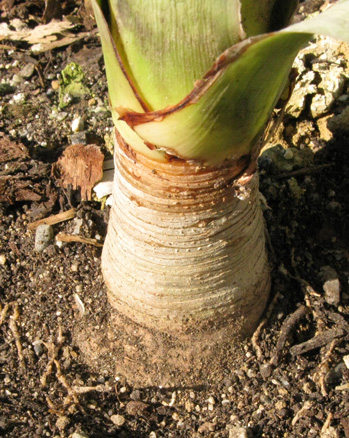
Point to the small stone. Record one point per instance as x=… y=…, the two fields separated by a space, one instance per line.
x=335 y=374
x=27 y=71
x=78 y=138
x=16 y=80
x=118 y=420
x=38 y=348
x=265 y=370
x=43 y=237
x=55 y=85
x=79 y=435
x=206 y=427
x=288 y=155
x=135 y=395
x=331 y=286
x=211 y=400
x=77 y=124
x=330 y=432
x=239 y=432
x=152 y=435
x=92 y=102
x=2 y=259
x=346 y=360
x=62 y=422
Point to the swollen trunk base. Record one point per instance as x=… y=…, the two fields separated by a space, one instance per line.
x=185 y=248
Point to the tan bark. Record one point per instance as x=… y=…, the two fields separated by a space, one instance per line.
x=185 y=247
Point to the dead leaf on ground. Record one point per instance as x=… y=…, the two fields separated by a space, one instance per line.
x=44 y=37
x=10 y=150
x=81 y=167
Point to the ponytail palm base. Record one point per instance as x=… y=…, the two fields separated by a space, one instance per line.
x=184 y=257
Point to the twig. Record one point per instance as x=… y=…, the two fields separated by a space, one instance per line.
x=54 y=219
x=4 y=313
x=258 y=330
x=307 y=405
x=62 y=237
x=327 y=423
x=86 y=389
x=317 y=341
x=71 y=393
x=320 y=375
x=13 y=327
x=52 y=354
x=286 y=330
x=302 y=172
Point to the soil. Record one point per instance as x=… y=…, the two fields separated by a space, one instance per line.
x=290 y=379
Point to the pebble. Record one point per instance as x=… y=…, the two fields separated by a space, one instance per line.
x=239 y=432
x=2 y=259
x=152 y=435
x=118 y=420
x=265 y=370
x=38 y=349
x=43 y=237
x=27 y=71
x=77 y=124
x=288 y=154
x=331 y=285
x=79 y=435
x=55 y=85
x=346 y=360
x=206 y=427
x=78 y=138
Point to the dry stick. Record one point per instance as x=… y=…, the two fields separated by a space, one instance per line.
x=286 y=329
x=54 y=219
x=71 y=393
x=320 y=375
x=13 y=327
x=258 y=330
x=302 y=172
x=317 y=341
x=307 y=405
x=62 y=237
x=4 y=313
x=327 y=423
x=52 y=354
x=86 y=389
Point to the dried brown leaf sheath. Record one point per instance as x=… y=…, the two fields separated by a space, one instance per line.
x=81 y=167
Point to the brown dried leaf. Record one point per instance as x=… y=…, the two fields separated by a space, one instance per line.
x=10 y=150
x=81 y=167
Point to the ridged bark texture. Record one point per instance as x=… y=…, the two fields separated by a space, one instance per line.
x=185 y=247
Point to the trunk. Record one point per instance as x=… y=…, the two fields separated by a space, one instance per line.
x=185 y=248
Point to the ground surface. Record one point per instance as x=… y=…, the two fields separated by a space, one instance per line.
x=272 y=387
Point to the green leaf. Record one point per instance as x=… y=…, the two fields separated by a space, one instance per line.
x=168 y=45
x=228 y=110
x=121 y=93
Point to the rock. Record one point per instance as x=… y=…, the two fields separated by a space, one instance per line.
x=331 y=285
x=43 y=237
x=330 y=433
x=240 y=432
x=38 y=348
x=340 y=122
x=79 y=435
x=265 y=370
x=136 y=408
x=118 y=420
x=2 y=259
x=346 y=360
x=335 y=374
x=135 y=395
x=77 y=124
x=206 y=427
x=27 y=71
